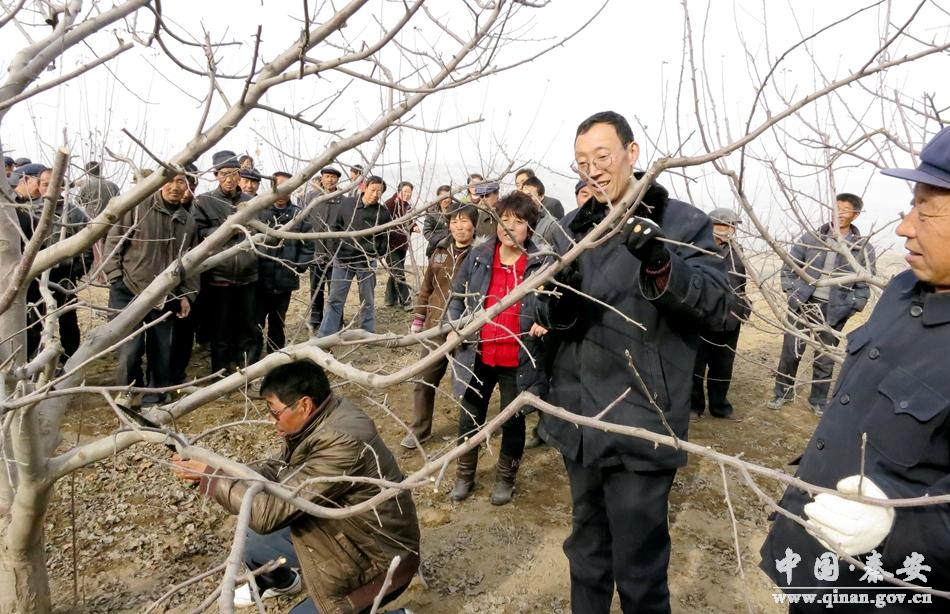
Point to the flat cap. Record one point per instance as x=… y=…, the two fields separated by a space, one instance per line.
x=486 y=187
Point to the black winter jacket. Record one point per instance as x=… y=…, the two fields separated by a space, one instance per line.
x=598 y=348
x=893 y=388
x=359 y=250
x=284 y=259
x=735 y=270
x=70 y=271
x=210 y=210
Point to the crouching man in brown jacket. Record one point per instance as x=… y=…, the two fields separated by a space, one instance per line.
x=343 y=561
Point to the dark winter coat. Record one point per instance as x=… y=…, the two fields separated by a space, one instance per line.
x=145 y=241
x=95 y=194
x=319 y=218
x=809 y=253
x=735 y=270
x=591 y=368
x=284 y=259
x=71 y=270
x=210 y=210
x=337 y=556
x=894 y=387
x=435 y=228
x=468 y=297
x=553 y=206
x=359 y=250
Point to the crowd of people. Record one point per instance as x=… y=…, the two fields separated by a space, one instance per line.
x=644 y=322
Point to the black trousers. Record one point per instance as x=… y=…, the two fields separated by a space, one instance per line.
x=155 y=344
x=232 y=319
x=397 y=290
x=475 y=406
x=68 y=322
x=715 y=355
x=271 y=313
x=319 y=281
x=619 y=537
x=183 y=342
x=812 y=313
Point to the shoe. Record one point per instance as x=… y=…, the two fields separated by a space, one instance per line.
x=817 y=408
x=409 y=441
x=465 y=476
x=505 y=472
x=244 y=599
x=124 y=400
x=778 y=402
x=407 y=307
x=694 y=416
x=723 y=412
x=154 y=400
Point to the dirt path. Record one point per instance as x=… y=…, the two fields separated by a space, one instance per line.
x=138 y=531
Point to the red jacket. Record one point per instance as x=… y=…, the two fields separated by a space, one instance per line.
x=499 y=343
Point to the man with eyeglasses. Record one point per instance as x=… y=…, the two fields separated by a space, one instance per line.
x=629 y=351
x=333 y=456
x=886 y=432
x=228 y=290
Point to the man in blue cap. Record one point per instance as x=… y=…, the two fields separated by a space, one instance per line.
x=487 y=194
x=65 y=276
x=886 y=432
x=8 y=165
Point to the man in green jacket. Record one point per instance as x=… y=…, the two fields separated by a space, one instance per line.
x=142 y=244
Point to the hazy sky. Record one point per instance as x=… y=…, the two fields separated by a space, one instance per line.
x=629 y=59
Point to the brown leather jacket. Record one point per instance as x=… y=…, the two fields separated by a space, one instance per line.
x=343 y=561
x=437 y=282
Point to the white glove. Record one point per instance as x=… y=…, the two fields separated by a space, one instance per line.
x=854 y=527
x=415 y=328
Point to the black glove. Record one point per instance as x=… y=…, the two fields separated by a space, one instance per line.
x=642 y=238
x=559 y=305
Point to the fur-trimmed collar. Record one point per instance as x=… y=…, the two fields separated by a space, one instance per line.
x=652 y=206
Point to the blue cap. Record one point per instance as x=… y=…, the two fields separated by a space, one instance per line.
x=8 y=161
x=486 y=187
x=33 y=170
x=934 y=167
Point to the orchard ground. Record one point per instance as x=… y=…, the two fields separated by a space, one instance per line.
x=122 y=532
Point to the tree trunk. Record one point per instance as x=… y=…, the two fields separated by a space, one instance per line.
x=24 y=583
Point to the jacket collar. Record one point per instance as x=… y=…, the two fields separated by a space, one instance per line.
x=319 y=417
x=486 y=251
x=936 y=304
x=177 y=212
x=233 y=199
x=853 y=232
x=652 y=206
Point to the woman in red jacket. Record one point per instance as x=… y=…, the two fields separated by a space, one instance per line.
x=507 y=351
